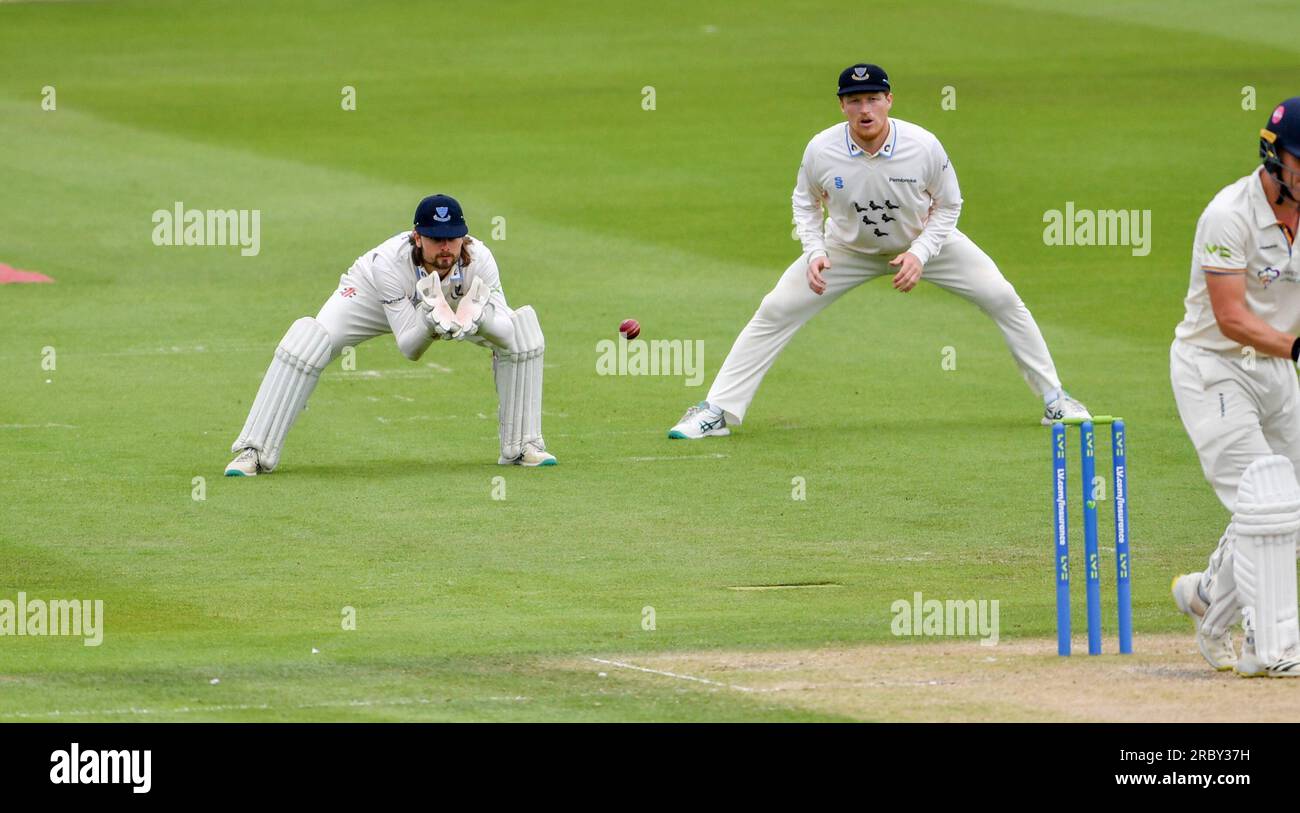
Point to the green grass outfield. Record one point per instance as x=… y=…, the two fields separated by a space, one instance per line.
x=918 y=479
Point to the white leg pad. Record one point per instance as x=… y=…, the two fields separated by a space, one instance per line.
x=503 y=370
x=1225 y=606
x=518 y=373
x=303 y=352
x=1266 y=522
x=522 y=355
x=532 y=425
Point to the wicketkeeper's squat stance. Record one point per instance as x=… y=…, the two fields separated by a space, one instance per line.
x=434 y=282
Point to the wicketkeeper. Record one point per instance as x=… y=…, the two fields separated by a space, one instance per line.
x=433 y=282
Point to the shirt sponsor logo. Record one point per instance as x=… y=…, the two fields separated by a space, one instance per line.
x=902 y=180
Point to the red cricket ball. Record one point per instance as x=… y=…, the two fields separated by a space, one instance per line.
x=630 y=328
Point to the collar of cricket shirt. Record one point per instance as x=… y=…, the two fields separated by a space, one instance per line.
x=886 y=150
x=1260 y=210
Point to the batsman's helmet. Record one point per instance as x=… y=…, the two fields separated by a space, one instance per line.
x=1281 y=133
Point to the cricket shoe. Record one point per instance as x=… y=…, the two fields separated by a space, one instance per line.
x=534 y=454
x=700 y=421
x=245 y=465
x=1249 y=665
x=1064 y=408
x=1218 y=651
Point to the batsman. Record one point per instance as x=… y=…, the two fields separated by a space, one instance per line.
x=434 y=282
x=1233 y=368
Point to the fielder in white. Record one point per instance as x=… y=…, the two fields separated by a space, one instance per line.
x=1233 y=368
x=892 y=198
x=433 y=282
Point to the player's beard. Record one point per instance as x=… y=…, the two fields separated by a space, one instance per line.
x=877 y=129
x=418 y=260
x=444 y=262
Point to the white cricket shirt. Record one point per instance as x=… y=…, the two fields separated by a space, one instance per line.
x=904 y=197
x=382 y=283
x=1238 y=234
x=389 y=272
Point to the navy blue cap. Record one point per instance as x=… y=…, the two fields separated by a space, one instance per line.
x=863 y=78
x=440 y=217
x=1283 y=128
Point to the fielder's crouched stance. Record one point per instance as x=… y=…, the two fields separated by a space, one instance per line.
x=888 y=190
x=435 y=282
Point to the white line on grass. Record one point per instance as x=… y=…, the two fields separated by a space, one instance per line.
x=714 y=456
x=636 y=668
x=36 y=426
x=647 y=432
x=412 y=372
x=397 y=701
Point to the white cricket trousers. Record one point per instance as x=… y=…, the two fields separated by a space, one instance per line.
x=1236 y=408
x=960 y=267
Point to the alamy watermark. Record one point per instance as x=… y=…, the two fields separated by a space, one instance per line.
x=932 y=617
x=1100 y=227
x=673 y=357
x=179 y=226
x=73 y=766
x=77 y=618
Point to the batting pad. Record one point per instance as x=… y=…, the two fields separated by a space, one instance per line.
x=519 y=384
x=303 y=353
x=1264 y=559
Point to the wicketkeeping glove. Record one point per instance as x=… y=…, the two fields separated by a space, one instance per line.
x=433 y=308
x=469 y=313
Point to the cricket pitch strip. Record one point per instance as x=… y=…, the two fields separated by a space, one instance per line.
x=1165 y=680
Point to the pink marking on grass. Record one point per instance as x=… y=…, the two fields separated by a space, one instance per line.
x=10 y=274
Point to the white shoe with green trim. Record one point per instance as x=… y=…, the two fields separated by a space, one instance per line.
x=700 y=421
